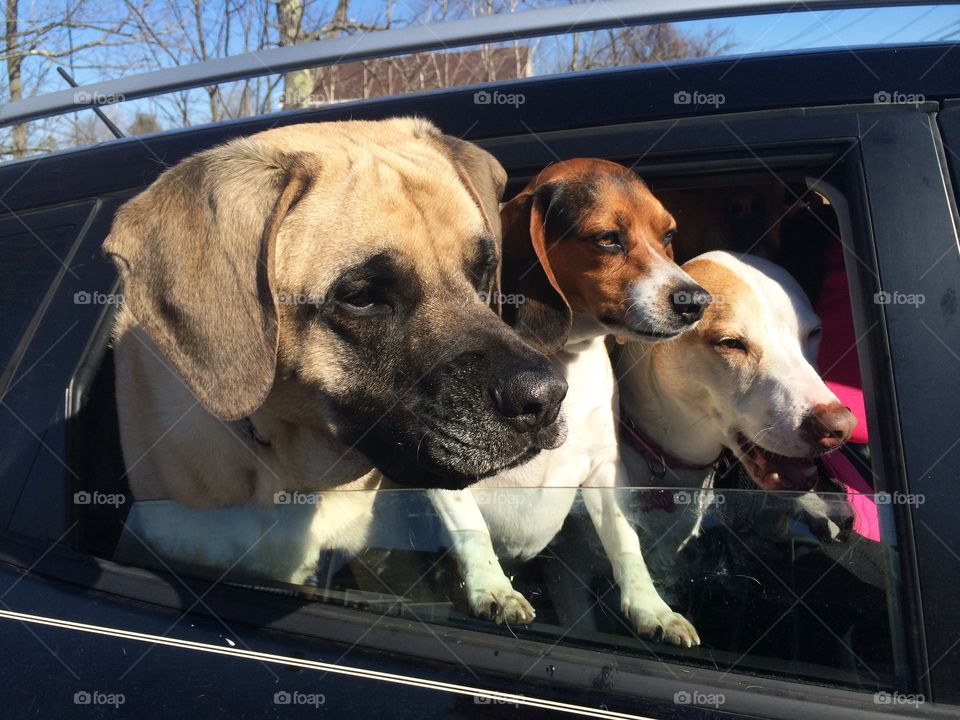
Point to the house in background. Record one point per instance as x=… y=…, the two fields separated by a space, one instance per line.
x=417 y=72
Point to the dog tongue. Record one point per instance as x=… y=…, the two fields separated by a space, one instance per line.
x=783 y=473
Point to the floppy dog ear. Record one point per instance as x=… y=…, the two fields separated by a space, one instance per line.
x=485 y=180
x=542 y=315
x=483 y=176
x=195 y=253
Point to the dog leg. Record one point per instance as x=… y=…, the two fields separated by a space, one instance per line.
x=490 y=593
x=639 y=599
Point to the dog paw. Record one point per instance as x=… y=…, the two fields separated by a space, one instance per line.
x=495 y=599
x=654 y=619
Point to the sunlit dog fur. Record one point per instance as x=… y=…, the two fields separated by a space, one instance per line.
x=305 y=311
x=745 y=379
x=588 y=247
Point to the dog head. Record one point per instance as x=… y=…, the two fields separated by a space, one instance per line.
x=586 y=238
x=336 y=275
x=747 y=371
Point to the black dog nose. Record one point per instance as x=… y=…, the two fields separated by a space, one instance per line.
x=528 y=396
x=690 y=302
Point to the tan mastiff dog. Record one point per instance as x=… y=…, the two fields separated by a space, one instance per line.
x=305 y=310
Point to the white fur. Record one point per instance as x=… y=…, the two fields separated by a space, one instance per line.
x=518 y=512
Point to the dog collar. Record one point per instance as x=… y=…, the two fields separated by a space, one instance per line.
x=254 y=434
x=657 y=458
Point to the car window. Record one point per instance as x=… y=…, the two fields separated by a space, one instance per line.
x=801 y=585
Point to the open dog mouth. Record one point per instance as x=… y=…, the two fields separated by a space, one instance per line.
x=776 y=472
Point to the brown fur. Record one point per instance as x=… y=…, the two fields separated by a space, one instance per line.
x=205 y=252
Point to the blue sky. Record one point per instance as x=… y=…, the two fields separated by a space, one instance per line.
x=748 y=34
x=756 y=33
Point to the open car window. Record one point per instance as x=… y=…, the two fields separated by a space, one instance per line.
x=779 y=584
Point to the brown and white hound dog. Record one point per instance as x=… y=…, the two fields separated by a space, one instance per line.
x=587 y=253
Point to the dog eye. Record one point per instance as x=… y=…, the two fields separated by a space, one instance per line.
x=815 y=334
x=668 y=237
x=362 y=301
x=609 y=241
x=731 y=343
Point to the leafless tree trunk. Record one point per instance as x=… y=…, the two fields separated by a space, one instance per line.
x=14 y=62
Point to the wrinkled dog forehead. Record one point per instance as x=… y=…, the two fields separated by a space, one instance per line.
x=396 y=191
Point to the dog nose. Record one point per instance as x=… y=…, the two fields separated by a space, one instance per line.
x=690 y=302
x=829 y=425
x=528 y=396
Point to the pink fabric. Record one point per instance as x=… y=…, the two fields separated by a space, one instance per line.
x=837 y=358
x=866 y=520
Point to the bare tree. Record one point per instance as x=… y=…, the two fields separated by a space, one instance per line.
x=639 y=45
x=295 y=27
x=45 y=34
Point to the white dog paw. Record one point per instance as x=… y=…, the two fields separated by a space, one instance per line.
x=654 y=619
x=494 y=598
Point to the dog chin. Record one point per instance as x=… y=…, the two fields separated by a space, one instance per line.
x=648 y=330
x=456 y=469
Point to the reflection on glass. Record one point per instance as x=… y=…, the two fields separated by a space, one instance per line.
x=773 y=582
